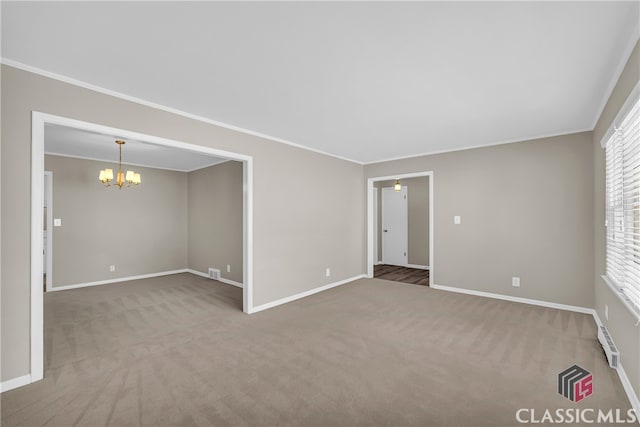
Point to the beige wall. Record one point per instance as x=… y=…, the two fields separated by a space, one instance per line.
x=215 y=219
x=418 y=218
x=139 y=230
x=526 y=210
x=621 y=322
x=293 y=242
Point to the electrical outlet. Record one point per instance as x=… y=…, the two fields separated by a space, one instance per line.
x=606 y=311
x=112 y=268
x=456 y=220
x=515 y=282
x=327 y=272
x=228 y=268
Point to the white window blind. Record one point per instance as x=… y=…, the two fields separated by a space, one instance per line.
x=622 y=153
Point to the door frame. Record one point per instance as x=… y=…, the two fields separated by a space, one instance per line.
x=48 y=190
x=38 y=122
x=376 y=197
x=405 y=248
x=371 y=226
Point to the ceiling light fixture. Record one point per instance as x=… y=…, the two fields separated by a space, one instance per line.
x=122 y=180
x=397 y=187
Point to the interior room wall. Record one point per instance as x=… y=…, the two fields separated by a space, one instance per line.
x=140 y=230
x=306 y=219
x=418 y=218
x=621 y=322
x=215 y=219
x=526 y=211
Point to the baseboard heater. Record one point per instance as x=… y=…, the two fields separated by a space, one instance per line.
x=610 y=350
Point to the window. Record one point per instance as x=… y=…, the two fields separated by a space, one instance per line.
x=622 y=148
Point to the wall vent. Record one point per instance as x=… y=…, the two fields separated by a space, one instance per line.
x=610 y=350
x=214 y=273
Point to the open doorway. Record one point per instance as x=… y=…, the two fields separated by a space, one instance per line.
x=400 y=228
x=39 y=122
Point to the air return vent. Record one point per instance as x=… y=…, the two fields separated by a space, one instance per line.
x=609 y=347
x=214 y=273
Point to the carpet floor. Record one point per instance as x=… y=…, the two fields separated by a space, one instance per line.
x=178 y=351
x=396 y=273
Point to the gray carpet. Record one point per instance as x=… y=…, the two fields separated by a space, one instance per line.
x=177 y=350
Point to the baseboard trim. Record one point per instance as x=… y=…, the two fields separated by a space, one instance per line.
x=628 y=388
x=515 y=299
x=220 y=279
x=419 y=267
x=304 y=294
x=198 y=273
x=624 y=379
x=231 y=282
x=120 y=279
x=15 y=383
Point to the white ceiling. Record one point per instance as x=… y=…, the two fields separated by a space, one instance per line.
x=70 y=142
x=362 y=80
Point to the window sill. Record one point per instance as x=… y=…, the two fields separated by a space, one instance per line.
x=635 y=312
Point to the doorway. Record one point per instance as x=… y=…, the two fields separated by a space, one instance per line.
x=38 y=122
x=372 y=223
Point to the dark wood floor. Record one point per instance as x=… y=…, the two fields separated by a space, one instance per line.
x=396 y=273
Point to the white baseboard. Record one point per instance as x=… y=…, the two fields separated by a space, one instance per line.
x=420 y=267
x=231 y=282
x=220 y=279
x=304 y=294
x=628 y=388
x=198 y=273
x=515 y=299
x=15 y=383
x=120 y=279
x=624 y=379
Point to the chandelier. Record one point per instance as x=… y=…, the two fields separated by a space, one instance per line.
x=130 y=179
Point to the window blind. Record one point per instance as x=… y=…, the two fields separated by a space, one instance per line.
x=622 y=158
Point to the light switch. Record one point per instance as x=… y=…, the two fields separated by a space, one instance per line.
x=57 y=222
x=456 y=219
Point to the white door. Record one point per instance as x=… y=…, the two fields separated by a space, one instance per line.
x=394 y=226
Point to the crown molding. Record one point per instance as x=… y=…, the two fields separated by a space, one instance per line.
x=115 y=94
